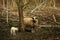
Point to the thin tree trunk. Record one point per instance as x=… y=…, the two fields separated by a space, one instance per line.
x=21 y=17
x=20 y=12
x=3 y=6
x=7 y=11
x=54 y=18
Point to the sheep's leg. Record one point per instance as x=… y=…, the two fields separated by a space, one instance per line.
x=14 y=32
x=32 y=30
x=11 y=31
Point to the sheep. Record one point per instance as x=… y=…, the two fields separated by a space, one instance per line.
x=13 y=30
x=32 y=22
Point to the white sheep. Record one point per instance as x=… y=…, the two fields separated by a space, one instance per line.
x=13 y=30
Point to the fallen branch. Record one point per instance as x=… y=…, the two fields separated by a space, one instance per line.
x=38 y=6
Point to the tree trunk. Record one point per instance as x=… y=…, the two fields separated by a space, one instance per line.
x=54 y=18
x=20 y=12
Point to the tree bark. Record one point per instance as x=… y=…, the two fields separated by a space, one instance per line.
x=20 y=12
x=54 y=18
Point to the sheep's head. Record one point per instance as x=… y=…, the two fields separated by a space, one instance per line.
x=35 y=21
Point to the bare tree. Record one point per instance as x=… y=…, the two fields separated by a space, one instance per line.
x=7 y=11
x=20 y=12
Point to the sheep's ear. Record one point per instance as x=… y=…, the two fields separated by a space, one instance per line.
x=36 y=18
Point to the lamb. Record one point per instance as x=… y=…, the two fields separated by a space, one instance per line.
x=13 y=30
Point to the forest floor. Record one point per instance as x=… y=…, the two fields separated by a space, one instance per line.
x=41 y=34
